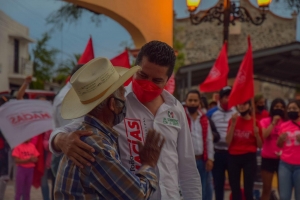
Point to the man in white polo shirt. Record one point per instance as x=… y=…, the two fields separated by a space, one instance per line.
x=148 y=107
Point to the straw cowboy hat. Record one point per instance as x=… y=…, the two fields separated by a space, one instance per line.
x=92 y=84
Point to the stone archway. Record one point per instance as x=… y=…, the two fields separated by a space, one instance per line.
x=145 y=20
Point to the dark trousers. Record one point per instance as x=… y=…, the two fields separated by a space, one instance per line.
x=237 y=163
x=220 y=166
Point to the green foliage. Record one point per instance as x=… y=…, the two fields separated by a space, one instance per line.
x=43 y=61
x=70 y=13
x=178 y=46
x=65 y=68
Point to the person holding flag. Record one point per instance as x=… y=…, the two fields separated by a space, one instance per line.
x=244 y=134
x=243 y=139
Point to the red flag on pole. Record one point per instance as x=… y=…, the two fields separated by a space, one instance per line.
x=243 y=88
x=217 y=77
x=88 y=53
x=170 y=86
x=122 y=60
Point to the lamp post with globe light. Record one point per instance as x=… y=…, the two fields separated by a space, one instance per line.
x=227 y=13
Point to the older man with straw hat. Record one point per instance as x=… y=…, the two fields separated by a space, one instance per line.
x=98 y=94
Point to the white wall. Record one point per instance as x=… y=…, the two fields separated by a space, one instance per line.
x=10 y=27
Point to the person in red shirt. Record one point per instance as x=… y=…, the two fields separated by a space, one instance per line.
x=25 y=156
x=270 y=152
x=260 y=107
x=243 y=139
x=289 y=141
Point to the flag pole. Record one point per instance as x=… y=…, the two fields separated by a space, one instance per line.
x=252 y=99
x=253 y=112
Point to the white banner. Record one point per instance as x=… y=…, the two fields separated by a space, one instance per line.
x=21 y=120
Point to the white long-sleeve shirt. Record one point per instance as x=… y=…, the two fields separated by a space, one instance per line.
x=58 y=120
x=197 y=138
x=176 y=164
x=221 y=119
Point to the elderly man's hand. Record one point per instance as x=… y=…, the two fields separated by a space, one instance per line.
x=150 y=151
x=75 y=149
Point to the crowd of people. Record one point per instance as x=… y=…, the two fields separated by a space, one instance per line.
x=140 y=142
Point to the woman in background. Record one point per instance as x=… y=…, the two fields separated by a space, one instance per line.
x=289 y=140
x=243 y=139
x=271 y=152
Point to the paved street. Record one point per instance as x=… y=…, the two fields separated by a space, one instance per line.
x=36 y=194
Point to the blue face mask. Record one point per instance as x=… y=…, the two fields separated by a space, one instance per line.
x=118 y=118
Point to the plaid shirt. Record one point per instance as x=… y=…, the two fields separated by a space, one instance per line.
x=107 y=178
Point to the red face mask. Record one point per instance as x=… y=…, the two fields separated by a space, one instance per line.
x=145 y=90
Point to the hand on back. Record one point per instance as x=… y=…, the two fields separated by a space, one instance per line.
x=75 y=149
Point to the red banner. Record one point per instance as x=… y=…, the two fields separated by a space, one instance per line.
x=243 y=88
x=217 y=77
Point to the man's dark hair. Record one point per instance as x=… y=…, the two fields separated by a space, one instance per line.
x=193 y=92
x=158 y=53
x=75 y=69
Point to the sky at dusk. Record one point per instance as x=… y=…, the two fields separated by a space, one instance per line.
x=107 y=37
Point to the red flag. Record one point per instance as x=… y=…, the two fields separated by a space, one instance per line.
x=40 y=165
x=122 y=60
x=88 y=53
x=243 y=88
x=170 y=86
x=217 y=77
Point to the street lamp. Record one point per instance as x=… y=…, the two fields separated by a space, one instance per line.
x=227 y=13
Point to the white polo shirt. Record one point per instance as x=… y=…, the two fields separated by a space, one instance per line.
x=177 y=160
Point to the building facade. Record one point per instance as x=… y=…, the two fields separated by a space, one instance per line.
x=14 y=53
x=202 y=44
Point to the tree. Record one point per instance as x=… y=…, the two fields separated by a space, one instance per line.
x=178 y=46
x=65 y=68
x=43 y=62
x=70 y=13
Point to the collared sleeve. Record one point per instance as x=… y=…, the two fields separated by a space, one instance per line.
x=189 y=178
x=108 y=172
x=65 y=129
x=210 y=144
